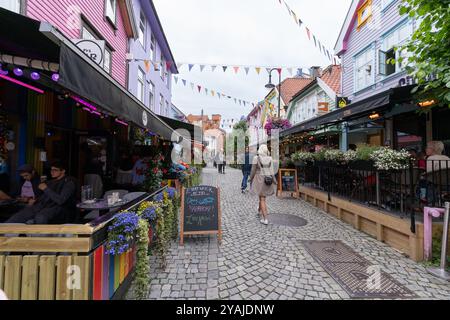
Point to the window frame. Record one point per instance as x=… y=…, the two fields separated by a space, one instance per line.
x=151 y=96
x=140 y=71
x=384 y=48
x=371 y=49
x=366 y=5
x=22 y=7
x=161 y=104
x=95 y=36
x=107 y=16
x=109 y=51
x=142 y=20
x=152 y=47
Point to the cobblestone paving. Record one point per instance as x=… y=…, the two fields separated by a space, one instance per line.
x=257 y=262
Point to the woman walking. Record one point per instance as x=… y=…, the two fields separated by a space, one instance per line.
x=262 y=180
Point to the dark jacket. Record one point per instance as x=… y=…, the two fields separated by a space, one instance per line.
x=59 y=193
x=35 y=181
x=247 y=165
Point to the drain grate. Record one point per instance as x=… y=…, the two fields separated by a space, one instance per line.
x=353 y=273
x=287 y=220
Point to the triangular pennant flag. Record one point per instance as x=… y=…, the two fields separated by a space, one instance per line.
x=225 y=68
x=268 y=70
x=295 y=16
x=176 y=79
x=219 y=95
x=192 y=86
x=179 y=65
x=300 y=22
x=320 y=46
x=258 y=70
x=235 y=100
x=279 y=70
x=202 y=67
x=329 y=55
x=184 y=82
x=236 y=69
x=147 y=66
x=244 y=103
x=212 y=93
x=247 y=69
x=190 y=67
x=324 y=50
x=315 y=41
x=288 y=9
x=290 y=71
x=199 y=88
x=308 y=33
x=168 y=65
x=334 y=58
x=240 y=102
x=206 y=91
x=213 y=68
x=156 y=66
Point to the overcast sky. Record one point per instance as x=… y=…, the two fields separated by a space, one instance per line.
x=243 y=32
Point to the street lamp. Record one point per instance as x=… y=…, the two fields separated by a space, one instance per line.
x=270 y=85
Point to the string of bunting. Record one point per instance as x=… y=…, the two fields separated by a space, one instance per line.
x=213 y=93
x=311 y=36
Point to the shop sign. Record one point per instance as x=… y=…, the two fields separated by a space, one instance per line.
x=342 y=102
x=94 y=49
x=323 y=106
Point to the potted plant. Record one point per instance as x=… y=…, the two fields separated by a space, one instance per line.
x=277 y=123
x=388 y=159
x=302 y=159
x=363 y=159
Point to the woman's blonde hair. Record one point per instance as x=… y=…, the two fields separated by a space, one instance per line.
x=263 y=150
x=437 y=146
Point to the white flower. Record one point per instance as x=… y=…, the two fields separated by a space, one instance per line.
x=302 y=156
x=350 y=155
x=388 y=159
x=333 y=155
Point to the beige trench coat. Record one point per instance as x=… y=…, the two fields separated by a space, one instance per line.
x=257 y=175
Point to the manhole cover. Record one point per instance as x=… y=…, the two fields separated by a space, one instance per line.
x=287 y=220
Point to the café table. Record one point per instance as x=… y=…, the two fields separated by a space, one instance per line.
x=101 y=205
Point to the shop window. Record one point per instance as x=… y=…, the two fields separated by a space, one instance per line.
x=13 y=5
x=140 y=85
x=390 y=55
x=364 y=69
x=111 y=10
x=364 y=13
x=142 y=27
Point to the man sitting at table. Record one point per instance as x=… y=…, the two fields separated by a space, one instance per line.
x=57 y=201
x=27 y=189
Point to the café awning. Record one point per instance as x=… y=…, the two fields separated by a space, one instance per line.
x=24 y=37
x=353 y=111
x=195 y=132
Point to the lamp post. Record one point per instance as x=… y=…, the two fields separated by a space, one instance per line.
x=270 y=85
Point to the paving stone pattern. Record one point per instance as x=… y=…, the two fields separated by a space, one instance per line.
x=258 y=262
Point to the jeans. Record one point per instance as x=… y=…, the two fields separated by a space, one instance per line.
x=245 y=180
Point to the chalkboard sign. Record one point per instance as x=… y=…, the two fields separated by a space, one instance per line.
x=200 y=212
x=287 y=182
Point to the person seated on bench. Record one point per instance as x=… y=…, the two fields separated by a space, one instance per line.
x=57 y=200
x=27 y=188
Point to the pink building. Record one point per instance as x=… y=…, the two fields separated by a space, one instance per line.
x=109 y=20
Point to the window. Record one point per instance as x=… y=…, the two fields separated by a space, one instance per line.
x=364 y=69
x=364 y=13
x=140 y=85
x=162 y=69
x=142 y=27
x=389 y=51
x=153 y=48
x=13 y=5
x=87 y=33
x=110 y=10
x=161 y=104
x=151 y=103
x=107 y=62
x=167 y=108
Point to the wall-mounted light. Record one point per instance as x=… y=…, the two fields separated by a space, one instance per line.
x=427 y=103
x=374 y=116
x=18 y=72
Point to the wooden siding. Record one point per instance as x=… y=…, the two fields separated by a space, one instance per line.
x=61 y=13
x=382 y=21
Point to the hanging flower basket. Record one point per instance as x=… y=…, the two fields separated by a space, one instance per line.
x=277 y=123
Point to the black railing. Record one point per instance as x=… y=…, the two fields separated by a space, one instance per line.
x=399 y=191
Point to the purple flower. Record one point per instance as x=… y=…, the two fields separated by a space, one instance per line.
x=149 y=214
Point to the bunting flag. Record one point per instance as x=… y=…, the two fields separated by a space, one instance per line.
x=258 y=70
x=199 y=88
x=184 y=82
x=168 y=65
x=236 y=69
x=225 y=68
x=279 y=71
x=308 y=33
x=300 y=22
x=315 y=41
x=247 y=69
x=212 y=93
x=176 y=79
x=213 y=68
x=147 y=65
x=295 y=16
x=202 y=66
x=192 y=86
x=179 y=65
x=156 y=66
x=290 y=71
x=190 y=67
x=268 y=70
x=206 y=91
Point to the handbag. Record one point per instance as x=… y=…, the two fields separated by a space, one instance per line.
x=268 y=180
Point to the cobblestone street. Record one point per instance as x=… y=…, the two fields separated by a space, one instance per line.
x=270 y=262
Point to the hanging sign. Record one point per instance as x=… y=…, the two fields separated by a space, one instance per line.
x=342 y=102
x=94 y=49
x=200 y=212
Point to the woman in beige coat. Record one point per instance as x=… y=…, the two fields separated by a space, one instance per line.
x=262 y=166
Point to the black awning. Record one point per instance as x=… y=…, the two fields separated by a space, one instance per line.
x=24 y=37
x=354 y=110
x=195 y=132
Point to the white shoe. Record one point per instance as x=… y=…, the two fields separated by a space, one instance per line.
x=266 y=222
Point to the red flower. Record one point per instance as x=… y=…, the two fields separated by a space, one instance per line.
x=155 y=170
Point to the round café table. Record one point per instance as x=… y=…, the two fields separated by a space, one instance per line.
x=101 y=205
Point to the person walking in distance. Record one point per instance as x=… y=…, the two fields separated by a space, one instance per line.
x=262 y=180
x=246 y=169
x=219 y=161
